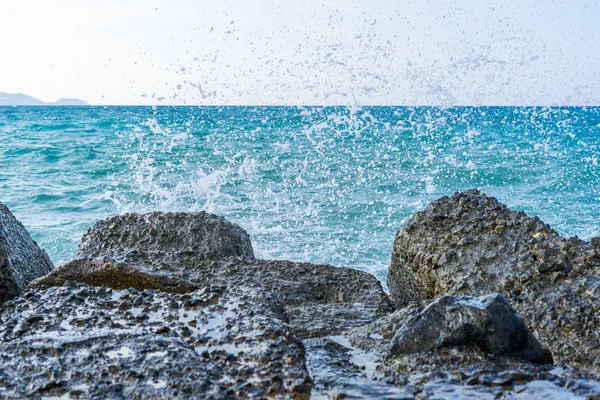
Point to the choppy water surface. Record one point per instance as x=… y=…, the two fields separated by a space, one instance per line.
x=328 y=185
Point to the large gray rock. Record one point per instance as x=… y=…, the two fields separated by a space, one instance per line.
x=120 y=252
x=206 y=236
x=79 y=341
x=21 y=259
x=472 y=244
x=488 y=322
x=319 y=300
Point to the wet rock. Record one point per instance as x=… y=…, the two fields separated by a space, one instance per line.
x=377 y=336
x=341 y=371
x=207 y=236
x=469 y=372
x=553 y=282
x=319 y=299
x=21 y=260
x=488 y=322
x=80 y=341
x=359 y=364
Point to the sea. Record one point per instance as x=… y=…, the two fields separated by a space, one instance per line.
x=317 y=184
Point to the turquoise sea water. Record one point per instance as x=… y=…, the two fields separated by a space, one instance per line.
x=327 y=185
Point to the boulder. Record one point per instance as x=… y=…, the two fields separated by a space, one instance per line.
x=79 y=341
x=470 y=244
x=488 y=322
x=21 y=259
x=320 y=300
x=206 y=236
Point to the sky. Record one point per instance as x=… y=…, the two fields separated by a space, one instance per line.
x=325 y=52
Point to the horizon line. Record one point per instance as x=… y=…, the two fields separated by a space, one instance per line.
x=302 y=105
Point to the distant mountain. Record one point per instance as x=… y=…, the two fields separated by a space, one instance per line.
x=19 y=99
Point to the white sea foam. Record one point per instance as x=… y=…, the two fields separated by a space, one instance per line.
x=123 y=352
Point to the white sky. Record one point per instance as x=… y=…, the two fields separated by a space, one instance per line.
x=452 y=52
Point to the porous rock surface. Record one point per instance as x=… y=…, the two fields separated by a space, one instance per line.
x=21 y=259
x=341 y=371
x=472 y=244
x=79 y=341
x=468 y=372
x=155 y=323
x=319 y=299
x=364 y=364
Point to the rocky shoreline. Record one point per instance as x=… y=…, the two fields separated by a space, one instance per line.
x=484 y=302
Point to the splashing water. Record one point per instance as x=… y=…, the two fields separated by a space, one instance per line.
x=328 y=185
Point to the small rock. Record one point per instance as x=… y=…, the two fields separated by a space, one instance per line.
x=465 y=241
x=488 y=322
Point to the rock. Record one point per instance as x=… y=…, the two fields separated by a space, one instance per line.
x=79 y=341
x=377 y=336
x=21 y=260
x=320 y=300
x=359 y=364
x=340 y=371
x=109 y=273
x=468 y=372
x=488 y=322
x=207 y=236
x=457 y=236
x=553 y=282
